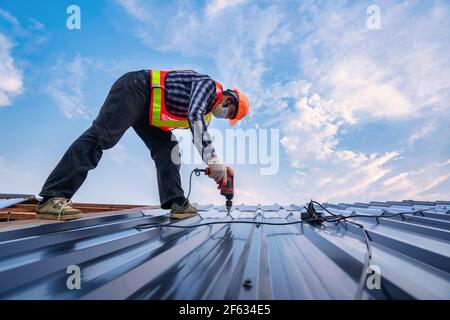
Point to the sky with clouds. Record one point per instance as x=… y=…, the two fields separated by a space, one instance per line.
x=362 y=113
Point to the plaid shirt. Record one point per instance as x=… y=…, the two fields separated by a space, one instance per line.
x=191 y=95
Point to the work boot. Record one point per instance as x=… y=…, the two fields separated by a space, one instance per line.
x=182 y=212
x=57 y=209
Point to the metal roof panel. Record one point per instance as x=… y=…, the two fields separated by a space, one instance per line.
x=232 y=261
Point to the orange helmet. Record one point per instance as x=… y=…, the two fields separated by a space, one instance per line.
x=243 y=107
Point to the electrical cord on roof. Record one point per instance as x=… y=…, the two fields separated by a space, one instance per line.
x=197 y=173
x=315 y=218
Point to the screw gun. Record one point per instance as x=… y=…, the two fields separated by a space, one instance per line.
x=226 y=190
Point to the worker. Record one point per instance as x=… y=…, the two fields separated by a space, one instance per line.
x=153 y=103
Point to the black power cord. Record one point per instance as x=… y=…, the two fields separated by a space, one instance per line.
x=197 y=173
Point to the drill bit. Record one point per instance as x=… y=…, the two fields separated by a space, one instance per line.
x=228 y=204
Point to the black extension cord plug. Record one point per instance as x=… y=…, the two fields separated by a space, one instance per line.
x=311 y=215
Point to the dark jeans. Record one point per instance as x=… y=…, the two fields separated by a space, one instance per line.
x=127 y=105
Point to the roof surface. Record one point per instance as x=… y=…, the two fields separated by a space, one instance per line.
x=233 y=261
x=22 y=207
x=8 y=199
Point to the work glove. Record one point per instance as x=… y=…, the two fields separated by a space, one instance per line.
x=218 y=171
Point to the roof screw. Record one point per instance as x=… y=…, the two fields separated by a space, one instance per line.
x=248 y=283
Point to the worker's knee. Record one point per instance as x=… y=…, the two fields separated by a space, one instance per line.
x=98 y=135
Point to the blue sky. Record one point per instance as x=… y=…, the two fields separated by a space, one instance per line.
x=362 y=113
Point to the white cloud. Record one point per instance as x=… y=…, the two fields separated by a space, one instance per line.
x=401 y=70
x=421 y=132
x=241 y=55
x=237 y=40
x=65 y=87
x=417 y=184
x=216 y=6
x=325 y=172
x=11 y=82
x=36 y=24
x=28 y=37
x=9 y=17
x=360 y=86
x=322 y=171
x=136 y=8
x=396 y=73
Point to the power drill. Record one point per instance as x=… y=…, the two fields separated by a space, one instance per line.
x=226 y=190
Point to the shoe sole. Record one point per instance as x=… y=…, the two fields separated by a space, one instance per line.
x=64 y=217
x=181 y=216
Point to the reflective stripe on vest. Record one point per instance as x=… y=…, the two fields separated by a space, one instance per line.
x=159 y=116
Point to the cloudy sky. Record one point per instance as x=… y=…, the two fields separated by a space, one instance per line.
x=362 y=112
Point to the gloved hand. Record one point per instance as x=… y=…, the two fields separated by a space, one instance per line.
x=218 y=171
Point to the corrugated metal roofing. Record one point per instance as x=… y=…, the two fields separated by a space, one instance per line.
x=8 y=200
x=22 y=207
x=233 y=261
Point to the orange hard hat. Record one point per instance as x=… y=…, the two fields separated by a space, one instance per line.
x=243 y=107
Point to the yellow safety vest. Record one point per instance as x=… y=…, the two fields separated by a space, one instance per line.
x=159 y=116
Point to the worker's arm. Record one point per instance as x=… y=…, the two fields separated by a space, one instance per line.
x=202 y=94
